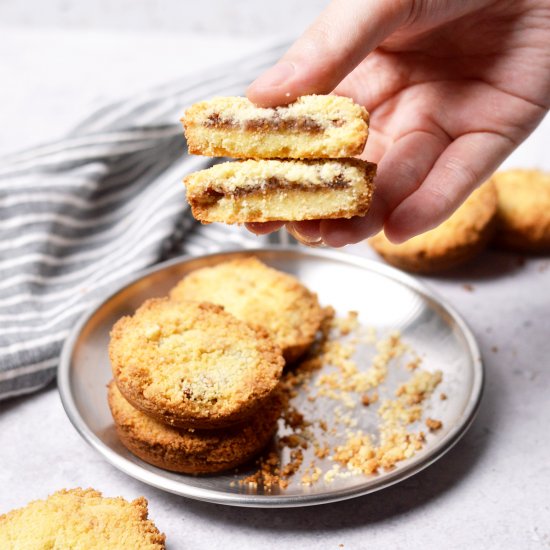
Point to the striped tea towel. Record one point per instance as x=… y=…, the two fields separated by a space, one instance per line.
x=79 y=215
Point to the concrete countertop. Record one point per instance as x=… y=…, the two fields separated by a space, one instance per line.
x=490 y=491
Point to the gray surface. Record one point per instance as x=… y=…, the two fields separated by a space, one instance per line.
x=490 y=491
x=245 y=17
x=390 y=301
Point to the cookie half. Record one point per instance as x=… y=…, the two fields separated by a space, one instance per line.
x=273 y=190
x=314 y=126
x=193 y=364
x=80 y=518
x=255 y=293
x=455 y=241
x=523 y=214
x=192 y=451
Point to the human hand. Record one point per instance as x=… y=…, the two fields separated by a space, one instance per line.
x=452 y=89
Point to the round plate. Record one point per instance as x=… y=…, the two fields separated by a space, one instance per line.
x=385 y=298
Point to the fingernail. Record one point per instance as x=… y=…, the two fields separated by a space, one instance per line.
x=275 y=76
x=304 y=239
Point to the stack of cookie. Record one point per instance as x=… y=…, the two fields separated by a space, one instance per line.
x=195 y=385
x=299 y=163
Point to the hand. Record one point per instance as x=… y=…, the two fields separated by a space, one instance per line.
x=452 y=89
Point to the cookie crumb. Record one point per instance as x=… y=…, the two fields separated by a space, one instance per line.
x=352 y=385
x=433 y=425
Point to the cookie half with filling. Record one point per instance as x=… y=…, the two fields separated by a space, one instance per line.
x=457 y=240
x=314 y=126
x=193 y=364
x=276 y=190
x=192 y=451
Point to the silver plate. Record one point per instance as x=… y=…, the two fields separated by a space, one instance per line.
x=385 y=298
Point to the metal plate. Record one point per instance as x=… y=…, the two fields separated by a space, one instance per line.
x=385 y=298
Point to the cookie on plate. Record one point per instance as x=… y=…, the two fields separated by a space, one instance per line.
x=80 y=518
x=273 y=190
x=192 y=451
x=523 y=213
x=455 y=241
x=256 y=293
x=315 y=126
x=193 y=364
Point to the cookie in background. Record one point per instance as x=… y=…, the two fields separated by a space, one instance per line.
x=523 y=213
x=456 y=241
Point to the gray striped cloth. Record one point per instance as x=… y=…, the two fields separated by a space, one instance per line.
x=80 y=215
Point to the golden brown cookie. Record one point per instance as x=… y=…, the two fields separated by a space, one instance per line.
x=193 y=364
x=523 y=213
x=314 y=126
x=258 y=294
x=80 y=519
x=272 y=190
x=455 y=241
x=193 y=451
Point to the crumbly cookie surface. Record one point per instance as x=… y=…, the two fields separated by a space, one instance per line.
x=269 y=190
x=192 y=451
x=314 y=126
x=523 y=214
x=256 y=293
x=456 y=240
x=80 y=519
x=193 y=364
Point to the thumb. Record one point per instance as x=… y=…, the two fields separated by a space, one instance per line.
x=340 y=38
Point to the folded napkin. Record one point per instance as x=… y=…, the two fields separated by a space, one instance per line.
x=80 y=215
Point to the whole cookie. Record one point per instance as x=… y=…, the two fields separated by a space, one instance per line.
x=78 y=518
x=455 y=241
x=193 y=364
x=255 y=293
x=192 y=451
x=523 y=213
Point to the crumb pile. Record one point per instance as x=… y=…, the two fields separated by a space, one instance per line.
x=343 y=415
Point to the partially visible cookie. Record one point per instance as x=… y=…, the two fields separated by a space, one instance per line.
x=455 y=241
x=80 y=519
x=192 y=451
x=314 y=126
x=255 y=293
x=523 y=214
x=193 y=364
x=273 y=190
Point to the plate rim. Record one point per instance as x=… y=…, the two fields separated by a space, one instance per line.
x=273 y=501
